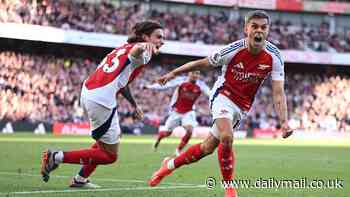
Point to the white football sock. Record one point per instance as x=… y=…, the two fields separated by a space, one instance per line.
x=80 y=178
x=59 y=157
x=171 y=164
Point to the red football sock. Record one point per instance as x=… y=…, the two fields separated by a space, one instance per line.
x=192 y=154
x=226 y=160
x=163 y=134
x=89 y=156
x=87 y=169
x=184 y=140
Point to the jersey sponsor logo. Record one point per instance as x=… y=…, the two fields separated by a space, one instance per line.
x=247 y=76
x=189 y=94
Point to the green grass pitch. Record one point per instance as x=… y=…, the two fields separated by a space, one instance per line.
x=265 y=159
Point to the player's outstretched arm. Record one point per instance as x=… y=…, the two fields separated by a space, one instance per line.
x=170 y=84
x=139 y=48
x=202 y=64
x=128 y=96
x=280 y=103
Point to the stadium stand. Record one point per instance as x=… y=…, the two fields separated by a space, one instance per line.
x=196 y=26
x=49 y=87
x=48 y=83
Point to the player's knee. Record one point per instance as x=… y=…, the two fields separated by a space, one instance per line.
x=210 y=150
x=110 y=152
x=112 y=157
x=209 y=145
x=189 y=132
x=189 y=129
x=166 y=133
x=226 y=139
x=207 y=148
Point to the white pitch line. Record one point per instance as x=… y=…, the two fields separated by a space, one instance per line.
x=98 y=179
x=102 y=190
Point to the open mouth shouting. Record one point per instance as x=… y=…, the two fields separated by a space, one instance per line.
x=258 y=38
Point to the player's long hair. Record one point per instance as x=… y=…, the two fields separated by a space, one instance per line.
x=143 y=28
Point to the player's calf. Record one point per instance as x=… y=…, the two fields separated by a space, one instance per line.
x=161 y=135
x=90 y=156
x=193 y=154
x=184 y=140
x=209 y=145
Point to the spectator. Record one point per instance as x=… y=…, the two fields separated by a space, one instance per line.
x=191 y=27
x=49 y=88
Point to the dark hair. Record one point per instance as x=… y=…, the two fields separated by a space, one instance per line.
x=256 y=14
x=141 y=28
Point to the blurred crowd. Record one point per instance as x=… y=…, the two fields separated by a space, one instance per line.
x=315 y=102
x=211 y=28
x=47 y=88
x=41 y=87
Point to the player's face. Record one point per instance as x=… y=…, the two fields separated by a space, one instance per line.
x=257 y=30
x=194 y=76
x=156 y=37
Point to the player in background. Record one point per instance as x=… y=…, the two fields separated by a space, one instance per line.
x=98 y=98
x=188 y=89
x=245 y=64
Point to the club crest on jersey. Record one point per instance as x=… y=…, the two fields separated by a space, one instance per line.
x=263 y=66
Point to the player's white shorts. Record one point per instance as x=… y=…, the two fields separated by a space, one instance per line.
x=176 y=119
x=223 y=107
x=104 y=122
